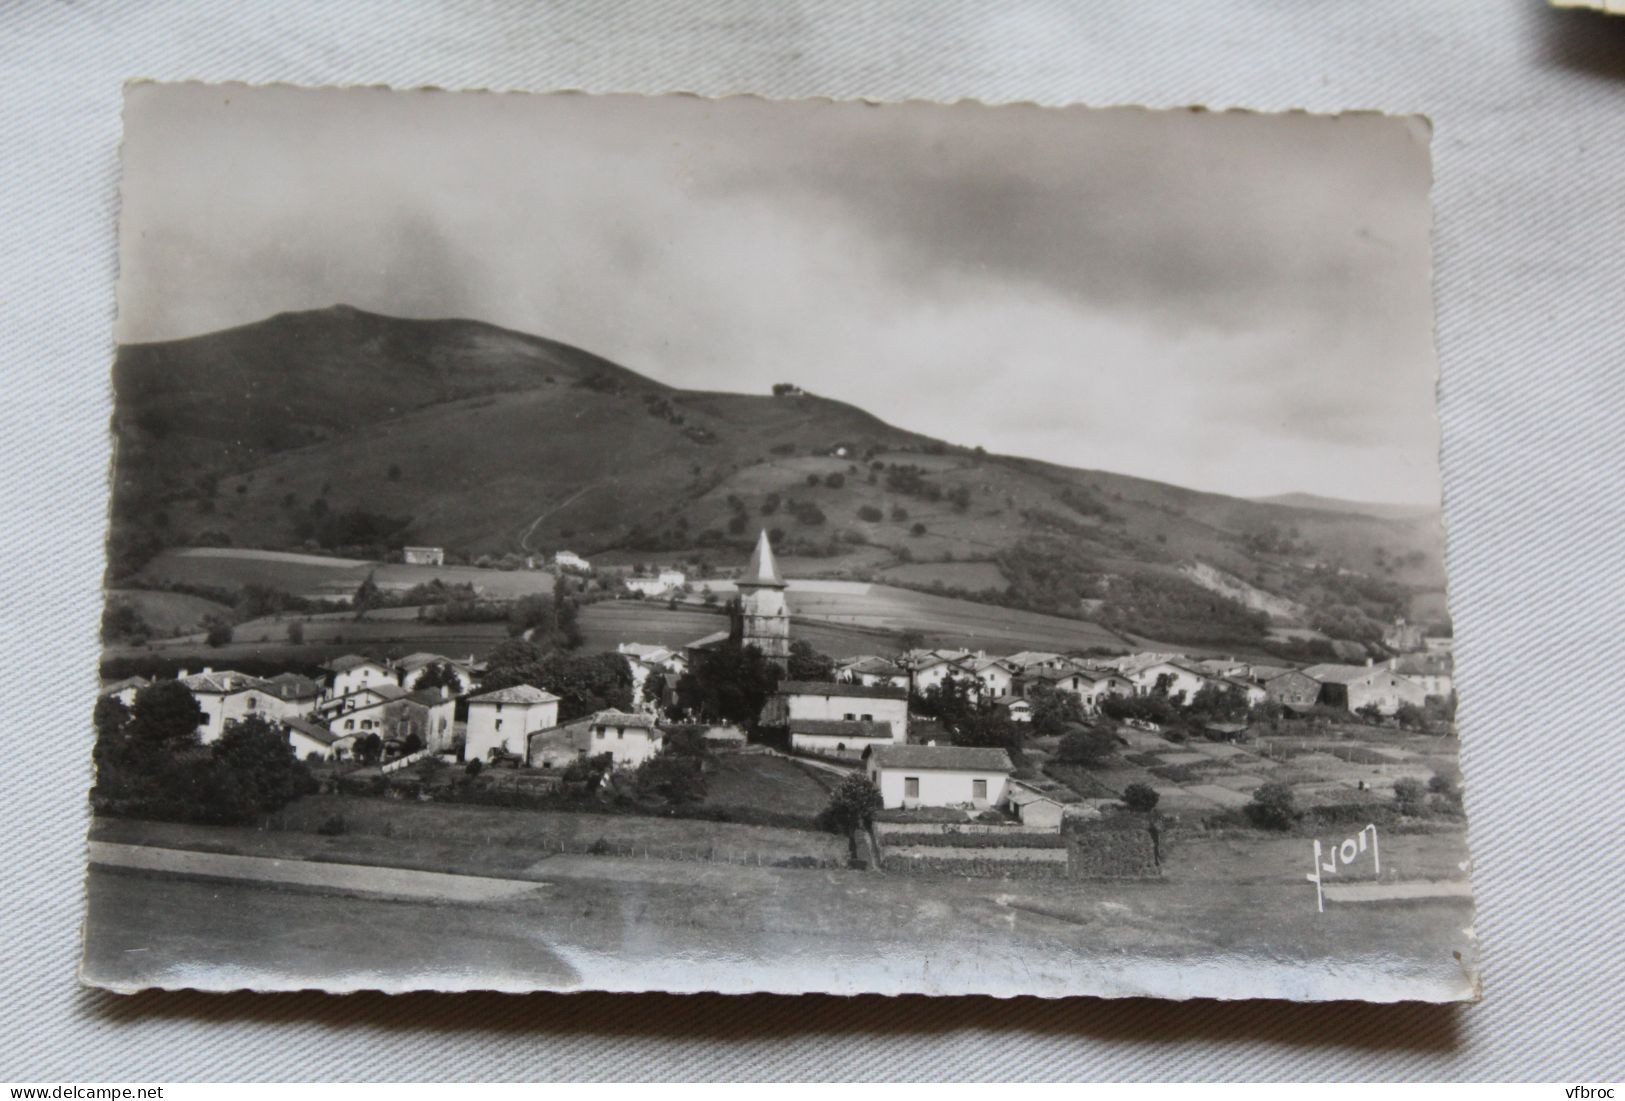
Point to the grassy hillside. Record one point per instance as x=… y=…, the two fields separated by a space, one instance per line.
x=343 y=432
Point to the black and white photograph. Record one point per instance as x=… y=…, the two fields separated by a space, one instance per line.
x=569 y=542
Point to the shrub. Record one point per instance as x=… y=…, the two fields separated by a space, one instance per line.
x=871 y=514
x=918 y=528
x=219 y=632
x=835 y=480
x=1141 y=797
x=899 y=513
x=1273 y=807
x=1410 y=797
x=1085 y=747
x=852 y=805
x=334 y=826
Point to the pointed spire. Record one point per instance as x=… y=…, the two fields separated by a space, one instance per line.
x=763 y=571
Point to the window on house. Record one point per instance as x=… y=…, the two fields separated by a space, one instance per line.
x=252 y=702
x=349 y=724
x=850 y=716
x=868 y=718
x=499 y=724
x=978 y=790
x=620 y=732
x=599 y=733
x=911 y=787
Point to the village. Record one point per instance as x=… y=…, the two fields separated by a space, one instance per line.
x=1027 y=764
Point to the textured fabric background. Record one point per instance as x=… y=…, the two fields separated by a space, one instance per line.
x=1529 y=109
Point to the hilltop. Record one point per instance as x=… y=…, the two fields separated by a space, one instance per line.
x=348 y=432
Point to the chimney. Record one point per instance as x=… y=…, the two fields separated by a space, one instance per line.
x=1368 y=661
x=207 y=669
x=182 y=674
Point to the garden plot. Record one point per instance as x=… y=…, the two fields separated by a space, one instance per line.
x=1218 y=795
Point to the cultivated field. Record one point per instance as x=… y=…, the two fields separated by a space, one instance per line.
x=1325 y=767
x=169 y=613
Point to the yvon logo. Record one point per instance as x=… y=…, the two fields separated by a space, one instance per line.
x=1351 y=850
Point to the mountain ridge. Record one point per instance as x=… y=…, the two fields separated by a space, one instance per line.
x=340 y=428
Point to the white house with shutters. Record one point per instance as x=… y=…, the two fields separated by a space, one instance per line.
x=502 y=718
x=821 y=700
x=939 y=775
x=629 y=739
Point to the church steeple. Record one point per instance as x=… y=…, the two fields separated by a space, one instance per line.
x=763 y=571
x=763 y=617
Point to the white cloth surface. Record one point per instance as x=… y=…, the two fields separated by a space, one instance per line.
x=1528 y=105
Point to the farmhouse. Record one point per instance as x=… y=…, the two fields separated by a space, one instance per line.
x=123 y=690
x=569 y=560
x=1292 y=688
x=1018 y=709
x=410 y=669
x=939 y=776
x=1165 y=674
x=1434 y=672
x=498 y=721
x=870 y=670
x=1033 y=807
x=352 y=671
x=370 y=696
x=298 y=695
x=558 y=747
x=1035 y=659
x=1353 y=687
x=423 y=556
x=837 y=737
x=930 y=670
x=310 y=738
x=1090 y=686
x=427 y=716
x=820 y=700
x=993 y=676
x=227 y=698
x=629 y=739
x=663 y=657
x=666 y=581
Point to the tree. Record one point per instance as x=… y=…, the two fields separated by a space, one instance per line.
x=1142 y=798
x=729 y=681
x=1087 y=747
x=910 y=640
x=1054 y=710
x=1370 y=713
x=296 y=632
x=252 y=771
x=899 y=513
x=584 y=683
x=1273 y=806
x=1213 y=703
x=807 y=663
x=1445 y=794
x=368 y=748
x=852 y=805
x=918 y=529
x=367 y=595
x=672 y=778
x=986 y=725
x=870 y=514
x=218 y=633
x=436 y=676
x=111 y=718
x=1410 y=797
x=1411 y=717
x=164 y=718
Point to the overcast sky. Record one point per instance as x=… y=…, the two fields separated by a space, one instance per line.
x=1231 y=302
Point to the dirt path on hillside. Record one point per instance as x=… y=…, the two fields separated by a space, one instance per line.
x=530 y=529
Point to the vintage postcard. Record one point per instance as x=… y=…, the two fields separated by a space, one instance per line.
x=567 y=542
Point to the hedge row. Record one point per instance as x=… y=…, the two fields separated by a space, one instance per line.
x=981 y=869
x=978 y=840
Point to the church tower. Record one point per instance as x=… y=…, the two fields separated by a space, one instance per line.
x=763 y=618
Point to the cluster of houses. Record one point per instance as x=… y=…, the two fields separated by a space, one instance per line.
x=431 y=703
x=1012 y=680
